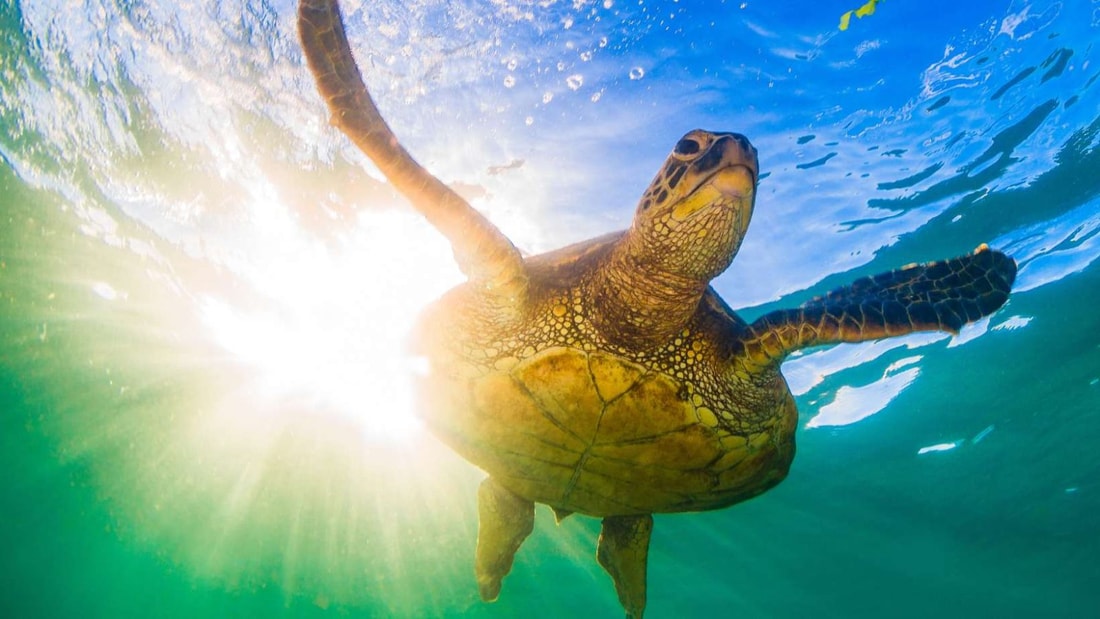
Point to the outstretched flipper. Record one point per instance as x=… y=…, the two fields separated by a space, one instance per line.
x=937 y=296
x=482 y=251
x=622 y=551
x=504 y=521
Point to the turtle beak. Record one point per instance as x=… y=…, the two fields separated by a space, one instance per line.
x=733 y=186
x=736 y=182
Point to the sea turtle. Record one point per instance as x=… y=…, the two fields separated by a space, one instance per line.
x=608 y=378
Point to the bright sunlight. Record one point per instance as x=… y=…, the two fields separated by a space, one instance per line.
x=332 y=333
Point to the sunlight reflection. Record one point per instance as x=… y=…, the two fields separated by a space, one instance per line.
x=970 y=332
x=1053 y=250
x=852 y=404
x=938 y=447
x=804 y=372
x=333 y=329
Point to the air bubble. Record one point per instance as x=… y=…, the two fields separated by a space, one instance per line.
x=509 y=81
x=547 y=97
x=637 y=73
x=574 y=81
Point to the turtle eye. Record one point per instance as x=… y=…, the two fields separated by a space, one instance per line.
x=686 y=147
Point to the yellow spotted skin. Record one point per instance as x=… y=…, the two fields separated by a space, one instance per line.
x=565 y=413
x=560 y=415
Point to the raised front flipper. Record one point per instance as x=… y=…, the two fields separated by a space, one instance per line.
x=937 y=296
x=622 y=551
x=482 y=251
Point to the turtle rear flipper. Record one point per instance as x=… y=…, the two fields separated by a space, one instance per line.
x=937 y=296
x=504 y=521
x=623 y=551
x=481 y=249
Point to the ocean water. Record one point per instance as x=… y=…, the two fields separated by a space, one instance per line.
x=204 y=294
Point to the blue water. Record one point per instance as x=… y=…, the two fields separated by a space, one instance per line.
x=205 y=291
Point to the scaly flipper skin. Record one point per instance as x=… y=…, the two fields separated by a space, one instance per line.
x=483 y=253
x=938 y=296
x=504 y=521
x=622 y=551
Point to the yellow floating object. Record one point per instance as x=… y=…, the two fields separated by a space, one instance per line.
x=863 y=11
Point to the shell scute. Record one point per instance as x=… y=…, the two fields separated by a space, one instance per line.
x=655 y=487
x=505 y=417
x=601 y=495
x=650 y=408
x=693 y=447
x=613 y=376
x=749 y=471
x=559 y=384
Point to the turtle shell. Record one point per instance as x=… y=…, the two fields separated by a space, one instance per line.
x=561 y=417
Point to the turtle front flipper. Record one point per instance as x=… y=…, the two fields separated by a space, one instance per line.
x=622 y=551
x=482 y=251
x=504 y=521
x=937 y=296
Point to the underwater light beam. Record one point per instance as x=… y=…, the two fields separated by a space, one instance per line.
x=331 y=336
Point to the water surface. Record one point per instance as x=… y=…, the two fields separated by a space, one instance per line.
x=204 y=294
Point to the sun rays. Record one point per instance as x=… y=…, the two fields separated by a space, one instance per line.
x=332 y=333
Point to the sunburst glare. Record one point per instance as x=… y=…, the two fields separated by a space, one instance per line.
x=332 y=332
x=274 y=443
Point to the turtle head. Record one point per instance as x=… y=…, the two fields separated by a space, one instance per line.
x=692 y=218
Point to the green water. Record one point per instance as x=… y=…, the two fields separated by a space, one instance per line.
x=158 y=467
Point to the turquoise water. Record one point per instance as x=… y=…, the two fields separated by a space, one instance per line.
x=205 y=291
